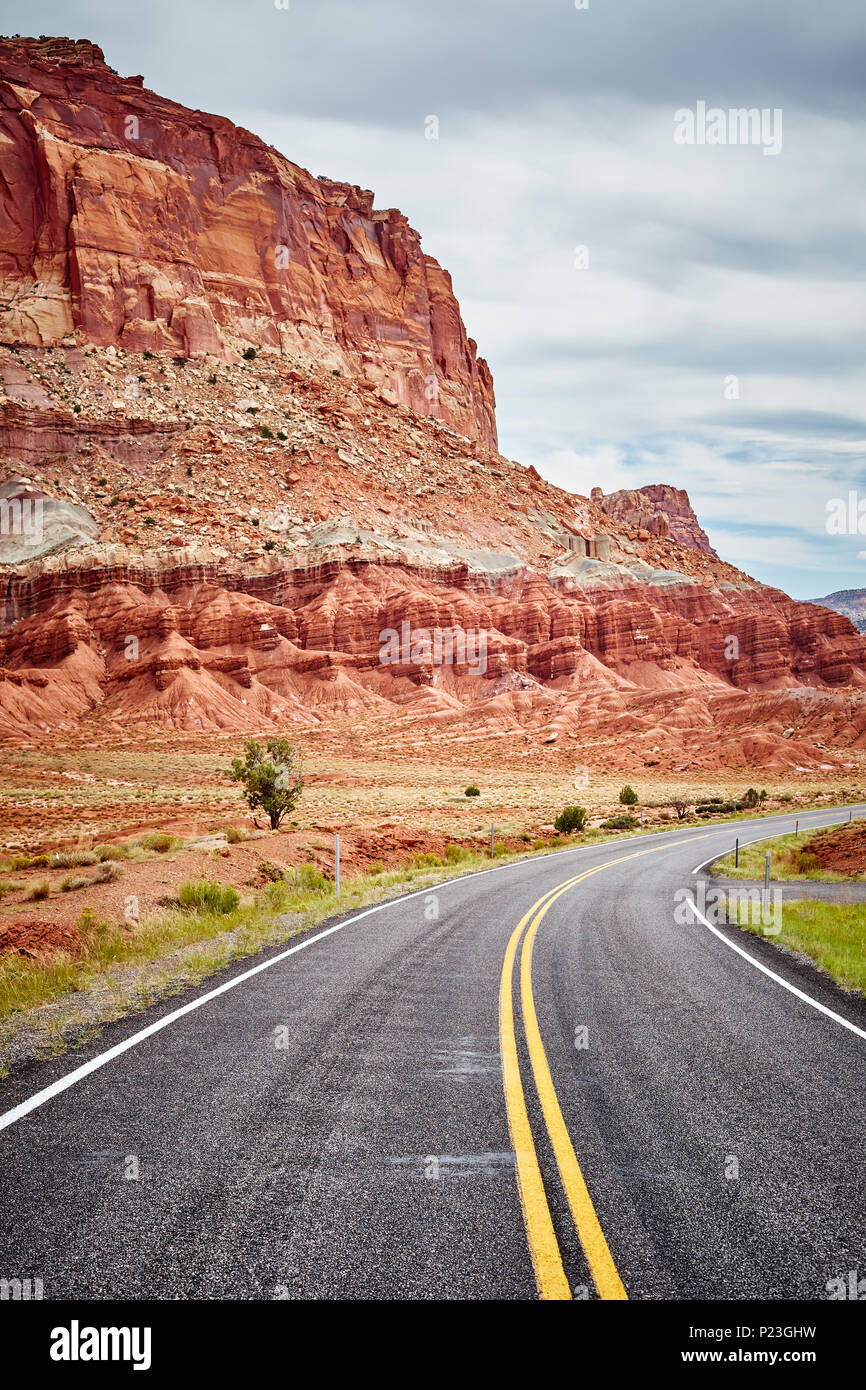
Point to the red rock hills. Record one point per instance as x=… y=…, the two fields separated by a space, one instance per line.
x=259 y=437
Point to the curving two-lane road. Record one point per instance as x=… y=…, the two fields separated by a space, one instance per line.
x=493 y=1089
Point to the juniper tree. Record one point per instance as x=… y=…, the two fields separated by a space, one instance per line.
x=271 y=777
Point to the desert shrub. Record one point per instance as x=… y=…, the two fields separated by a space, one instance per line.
x=249 y=354
x=426 y=861
x=376 y=868
x=208 y=896
x=525 y=839
x=266 y=432
x=455 y=854
x=309 y=879
x=276 y=896
x=499 y=849
x=807 y=862
x=73 y=859
x=7 y=886
x=539 y=844
x=272 y=872
x=715 y=808
x=786 y=796
x=234 y=835
x=72 y=882
x=159 y=841
x=38 y=891
x=472 y=790
x=104 y=852
x=30 y=861
x=620 y=823
x=571 y=820
x=752 y=797
x=628 y=796
x=107 y=872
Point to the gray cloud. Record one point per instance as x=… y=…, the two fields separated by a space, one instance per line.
x=379 y=60
x=809 y=424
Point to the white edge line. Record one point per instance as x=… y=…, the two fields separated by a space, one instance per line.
x=63 y=1083
x=806 y=998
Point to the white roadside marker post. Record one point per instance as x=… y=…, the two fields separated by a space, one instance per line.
x=337 y=865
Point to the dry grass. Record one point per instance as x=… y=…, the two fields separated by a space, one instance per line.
x=172 y=783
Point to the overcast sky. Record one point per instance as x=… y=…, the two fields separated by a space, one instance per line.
x=706 y=262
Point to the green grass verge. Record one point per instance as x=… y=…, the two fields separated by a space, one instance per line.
x=790 y=858
x=833 y=935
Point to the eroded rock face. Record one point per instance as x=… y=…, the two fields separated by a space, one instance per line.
x=30 y=435
x=141 y=224
x=207 y=647
x=660 y=510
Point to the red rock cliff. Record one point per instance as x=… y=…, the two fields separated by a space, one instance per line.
x=131 y=221
x=661 y=510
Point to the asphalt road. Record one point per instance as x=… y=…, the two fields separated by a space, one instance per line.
x=349 y=1122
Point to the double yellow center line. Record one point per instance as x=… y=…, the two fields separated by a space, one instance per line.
x=543 y=1246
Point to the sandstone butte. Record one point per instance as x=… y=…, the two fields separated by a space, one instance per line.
x=205 y=540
